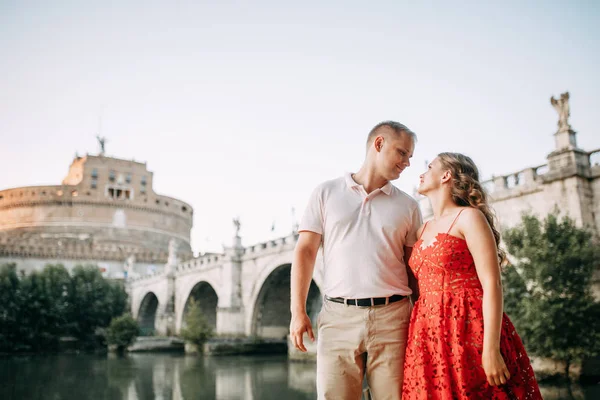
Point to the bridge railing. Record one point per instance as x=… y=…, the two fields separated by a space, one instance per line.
x=215 y=259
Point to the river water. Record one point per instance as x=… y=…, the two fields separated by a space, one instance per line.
x=174 y=377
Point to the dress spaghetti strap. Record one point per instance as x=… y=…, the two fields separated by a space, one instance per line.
x=423 y=230
x=453 y=222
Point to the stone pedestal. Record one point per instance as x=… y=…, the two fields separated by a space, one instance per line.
x=231 y=321
x=565 y=139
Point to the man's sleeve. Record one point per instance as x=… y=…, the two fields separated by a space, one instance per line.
x=312 y=219
x=416 y=222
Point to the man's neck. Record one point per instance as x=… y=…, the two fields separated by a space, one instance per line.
x=369 y=179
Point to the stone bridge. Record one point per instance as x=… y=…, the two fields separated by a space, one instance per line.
x=244 y=291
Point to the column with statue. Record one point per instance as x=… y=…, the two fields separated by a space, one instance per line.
x=567 y=158
x=230 y=310
x=165 y=318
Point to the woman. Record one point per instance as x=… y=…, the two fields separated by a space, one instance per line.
x=457 y=263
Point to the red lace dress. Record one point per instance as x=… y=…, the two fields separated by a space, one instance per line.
x=445 y=340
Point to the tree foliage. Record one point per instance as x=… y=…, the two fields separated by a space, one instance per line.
x=548 y=289
x=197 y=329
x=122 y=331
x=37 y=309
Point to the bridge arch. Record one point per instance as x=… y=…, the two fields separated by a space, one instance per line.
x=147 y=314
x=271 y=308
x=206 y=297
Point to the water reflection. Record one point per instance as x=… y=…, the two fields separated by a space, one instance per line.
x=173 y=377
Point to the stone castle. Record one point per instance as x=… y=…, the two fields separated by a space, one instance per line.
x=105 y=213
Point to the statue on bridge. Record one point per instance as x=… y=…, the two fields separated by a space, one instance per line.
x=562 y=107
x=129 y=267
x=237 y=224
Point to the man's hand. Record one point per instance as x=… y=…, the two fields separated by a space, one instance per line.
x=299 y=325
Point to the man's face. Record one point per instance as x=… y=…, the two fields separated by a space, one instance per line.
x=395 y=152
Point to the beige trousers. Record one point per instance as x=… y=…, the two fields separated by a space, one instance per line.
x=355 y=340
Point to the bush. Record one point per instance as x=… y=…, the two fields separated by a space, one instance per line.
x=122 y=331
x=197 y=329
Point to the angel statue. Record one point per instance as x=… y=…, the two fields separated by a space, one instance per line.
x=237 y=224
x=562 y=107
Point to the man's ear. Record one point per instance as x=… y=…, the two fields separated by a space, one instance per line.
x=378 y=143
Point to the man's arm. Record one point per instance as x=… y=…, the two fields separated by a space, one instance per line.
x=303 y=266
x=413 y=283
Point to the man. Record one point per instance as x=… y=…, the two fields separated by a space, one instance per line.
x=367 y=228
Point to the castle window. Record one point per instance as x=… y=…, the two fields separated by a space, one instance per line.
x=184 y=208
x=143 y=190
x=94 y=184
x=111 y=176
x=143 y=180
x=119 y=194
x=128 y=178
x=94 y=173
x=157 y=201
x=74 y=193
x=1 y=197
x=43 y=193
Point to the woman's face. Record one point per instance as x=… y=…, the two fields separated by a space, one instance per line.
x=432 y=178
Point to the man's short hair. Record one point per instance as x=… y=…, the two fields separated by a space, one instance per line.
x=397 y=127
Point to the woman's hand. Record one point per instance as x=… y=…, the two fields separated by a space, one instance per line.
x=495 y=368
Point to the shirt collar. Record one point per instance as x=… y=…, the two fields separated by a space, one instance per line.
x=351 y=183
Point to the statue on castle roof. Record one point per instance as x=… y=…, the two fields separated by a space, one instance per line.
x=101 y=142
x=561 y=106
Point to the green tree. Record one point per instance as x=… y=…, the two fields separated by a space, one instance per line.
x=196 y=329
x=11 y=299
x=93 y=302
x=548 y=290
x=122 y=331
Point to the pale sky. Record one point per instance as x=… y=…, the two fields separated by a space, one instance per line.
x=243 y=107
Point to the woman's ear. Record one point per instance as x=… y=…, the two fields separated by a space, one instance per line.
x=447 y=176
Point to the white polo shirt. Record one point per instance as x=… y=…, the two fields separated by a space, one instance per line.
x=363 y=237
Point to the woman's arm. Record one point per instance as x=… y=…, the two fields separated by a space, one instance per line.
x=482 y=246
